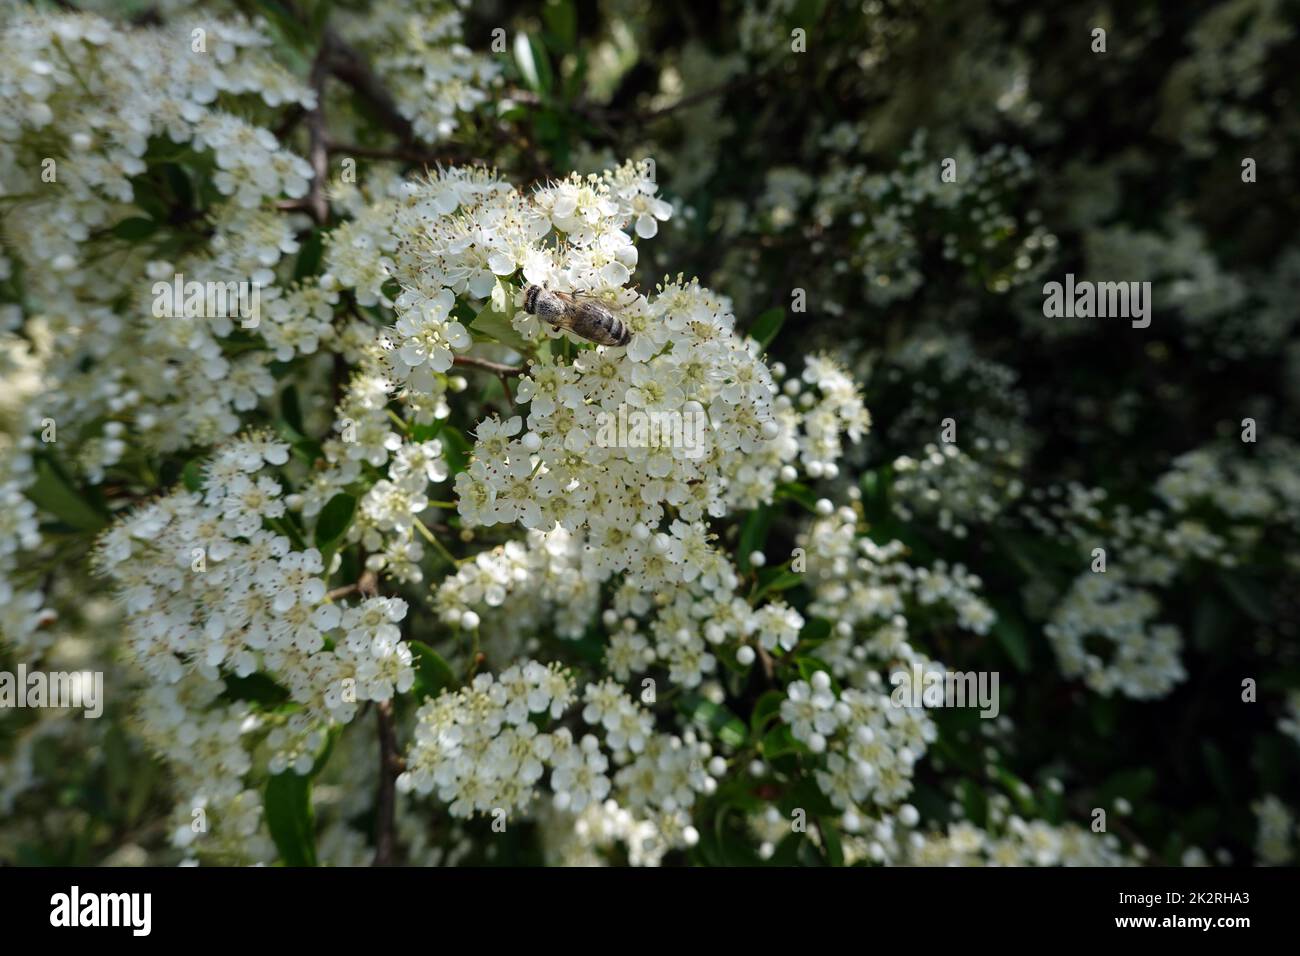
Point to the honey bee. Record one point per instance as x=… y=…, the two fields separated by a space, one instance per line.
x=583 y=316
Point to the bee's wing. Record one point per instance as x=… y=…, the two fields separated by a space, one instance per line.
x=593 y=310
x=595 y=321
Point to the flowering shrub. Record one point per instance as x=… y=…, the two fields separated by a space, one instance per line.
x=653 y=430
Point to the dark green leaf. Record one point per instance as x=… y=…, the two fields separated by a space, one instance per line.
x=776 y=580
x=974 y=802
x=797 y=492
x=811 y=665
x=432 y=673
x=494 y=324
x=290 y=408
x=309 y=257
x=192 y=476
x=766 y=709
x=455 y=448
x=831 y=840
x=257 y=688
x=562 y=21
x=729 y=728
x=134 y=229
x=1010 y=633
x=1251 y=596
x=289 y=818
x=52 y=493
x=334 y=519
x=779 y=741
x=814 y=630
x=767 y=325
x=753 y=532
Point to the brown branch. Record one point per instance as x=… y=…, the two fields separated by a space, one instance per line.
x=316 y=202
x=367 y=586
x=496 y=368
x=700 y=96
x=349 y=65
x=386 y=801
x=342 y=592
x=401 y=154
x=604 y=117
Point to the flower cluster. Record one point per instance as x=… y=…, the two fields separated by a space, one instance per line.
x=1141 y=659
x=481 y=750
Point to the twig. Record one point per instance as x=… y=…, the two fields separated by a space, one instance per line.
x=496 y=368
x=386 y=800
x=367 y=585
x=347 y=63
x=692 y=99
x=403 y=154
x=430 y=537
x=316 y=202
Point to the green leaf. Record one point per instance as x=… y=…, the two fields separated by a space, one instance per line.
x=494 y=323
x=534 y=67
x=257 y=688
x=815 y=630
x=1133 y=785
x=455 y=448
x=1252 y=597
x=1010 y=632
x=289 y=818
x=1212 y=622
x=179 y=184
x=875 y=494
x=974 y=802
x=811 y=665
x=432 y=673
x=797 y=492
x=309 y=257
x=831 y=838
x=307 y=450
x=1104 y=713
x=766 y=709
x=134 y=229
x=767 y=325
x=51 y=493
x=562 y=21
x=1217 y=766
x=776 y=580
x=753 y=532
x=334 y=519
x=804 y=794
x=324 y=756
x=729 y=728
x=1273 y=759
x=1016 y=788
x=192 y=475
x=284 y=22
x=290 y=408
x=780 y=741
